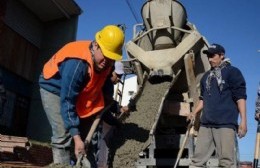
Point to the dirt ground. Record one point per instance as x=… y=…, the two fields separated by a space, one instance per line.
x=132 y=138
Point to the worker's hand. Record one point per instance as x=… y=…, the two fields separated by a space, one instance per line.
x=242 y=129
x=257 y=116
x=124 y=113
x=79 y=146
x=125 y=110
x=191 y=116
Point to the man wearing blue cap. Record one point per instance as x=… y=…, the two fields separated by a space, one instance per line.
x=223 y=98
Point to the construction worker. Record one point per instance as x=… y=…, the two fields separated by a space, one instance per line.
x=71 y=90
x=110 y=121
x=223 y=98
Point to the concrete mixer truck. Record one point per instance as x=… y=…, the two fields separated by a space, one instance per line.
x=167 y=48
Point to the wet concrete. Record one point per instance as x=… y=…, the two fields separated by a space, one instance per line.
x=132 y=138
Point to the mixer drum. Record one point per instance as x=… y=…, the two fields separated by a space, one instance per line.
x=158 y=14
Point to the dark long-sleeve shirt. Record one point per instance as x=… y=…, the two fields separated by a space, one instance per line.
x=220 y=107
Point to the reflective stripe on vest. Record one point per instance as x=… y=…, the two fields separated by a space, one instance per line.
x=90 y=100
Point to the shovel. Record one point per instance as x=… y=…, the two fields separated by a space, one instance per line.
x=183 y=143
x=82 y=160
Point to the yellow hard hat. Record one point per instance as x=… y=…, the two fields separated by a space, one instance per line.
x=111 y=40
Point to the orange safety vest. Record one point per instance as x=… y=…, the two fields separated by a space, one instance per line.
x=90 y=100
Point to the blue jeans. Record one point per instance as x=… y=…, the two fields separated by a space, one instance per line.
x=61 y=139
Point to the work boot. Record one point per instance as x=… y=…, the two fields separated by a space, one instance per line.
x=61 y=156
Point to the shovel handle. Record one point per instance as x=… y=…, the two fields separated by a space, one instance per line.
x=95 y=125
x=183 y=143
x=92 y=129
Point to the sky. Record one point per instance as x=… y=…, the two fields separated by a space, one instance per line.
x=235 y=24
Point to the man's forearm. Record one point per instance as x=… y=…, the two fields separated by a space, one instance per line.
x=241 y=103
x=198 y=107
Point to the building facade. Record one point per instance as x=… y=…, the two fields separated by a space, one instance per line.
x=30 y=33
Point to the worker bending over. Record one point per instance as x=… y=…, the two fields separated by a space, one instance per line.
x=71 y=90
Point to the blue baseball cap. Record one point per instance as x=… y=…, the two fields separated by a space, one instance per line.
x=214 y=49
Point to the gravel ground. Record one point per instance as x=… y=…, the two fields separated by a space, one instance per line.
x=132 y=138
